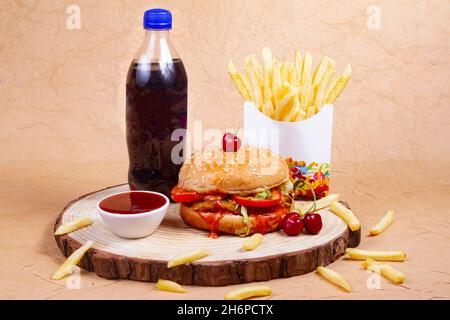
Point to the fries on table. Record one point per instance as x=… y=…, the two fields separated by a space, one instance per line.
x=249 y=292
x=66 y=268
x=385 y=270
x=170 y=286
x=383 y=224
x=187 y=258
x=334 y=278
x=74 y=225
x=392 y=255
x=345 y=214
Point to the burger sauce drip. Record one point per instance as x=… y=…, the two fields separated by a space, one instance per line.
x=213 y=220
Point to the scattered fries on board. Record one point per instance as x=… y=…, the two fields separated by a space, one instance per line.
x=385 y=270
x=187 y=258
x=345 y=214
x=74 y=225
x=251 y=243
x=170 y=286
x=359 y=254
x=290 y=90
x=249 y=292
x=66 y=268
x=383 y=224
x=334 y=278
x=320 y=204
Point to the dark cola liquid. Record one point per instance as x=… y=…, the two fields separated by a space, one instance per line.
x=156 y=106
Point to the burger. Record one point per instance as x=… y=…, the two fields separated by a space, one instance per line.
x=238 y=193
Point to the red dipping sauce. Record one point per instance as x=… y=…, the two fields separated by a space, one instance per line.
x=134 y=202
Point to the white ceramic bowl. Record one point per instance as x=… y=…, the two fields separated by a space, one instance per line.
x=133 y=226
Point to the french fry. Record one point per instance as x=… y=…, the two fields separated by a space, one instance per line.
x=383 y=224
x=295 y=110
x=320 y=71
x=286 y=71
x=276 y=84
x=345 y=214
x=250 y=71
x=259 y=71
x=268 y=95
x=249 y=292
x=306 y=69
x=238 y=80
x=326 y=201
x=306 y=88
x=331 y=65
x=170 y=286
x=334 y=278
x=256 y=65
x=320 y=204
x=286 y=102
x=251 y=243
x=301 y=115
x=340 y=85
x=312 y=94
x=331 y=86
x=320 y=97
x=66 y=268
x=285 y=89
x=298 y=64
x=317 y=95
x=311 y=111
x=304 y=96
x=187 y=258
x=385 y=270
x=392 y=255
x=267 y=70
x=73 y=225
x=322 y=87
x=289 y=115
x=267 y=108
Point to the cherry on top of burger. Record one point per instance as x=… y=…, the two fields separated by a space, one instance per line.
x=230 y=142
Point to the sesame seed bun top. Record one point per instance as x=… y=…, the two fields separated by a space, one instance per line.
x=249 y=170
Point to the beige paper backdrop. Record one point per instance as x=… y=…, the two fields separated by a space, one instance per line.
x=62 y=91
x=62 y=126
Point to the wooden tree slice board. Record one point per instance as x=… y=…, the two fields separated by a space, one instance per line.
x=146 y=259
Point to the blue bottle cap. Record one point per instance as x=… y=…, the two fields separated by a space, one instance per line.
x=160 y=19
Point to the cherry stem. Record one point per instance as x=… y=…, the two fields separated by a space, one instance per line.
x=314 y=206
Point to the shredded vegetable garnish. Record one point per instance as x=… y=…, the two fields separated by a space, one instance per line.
x=247 y=222
x=263 y=194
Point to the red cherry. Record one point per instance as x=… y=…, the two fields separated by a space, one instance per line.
x=313 y=223
x=230 y=142
x=292 y=224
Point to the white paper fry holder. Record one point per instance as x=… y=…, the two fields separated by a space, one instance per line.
x=306 y=146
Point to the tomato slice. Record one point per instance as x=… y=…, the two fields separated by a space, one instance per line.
x=251 y=202
x=180 y=195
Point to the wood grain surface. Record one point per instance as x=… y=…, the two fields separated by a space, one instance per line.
x=146 y=259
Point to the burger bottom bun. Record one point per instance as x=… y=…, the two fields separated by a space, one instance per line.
x=233 y=223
